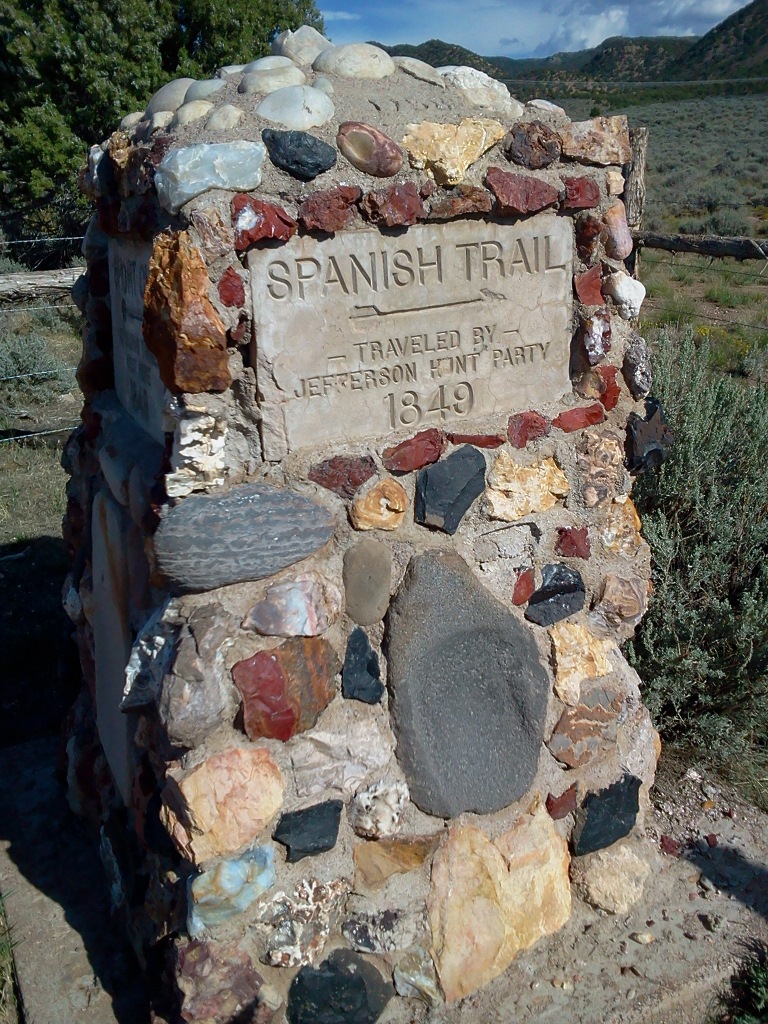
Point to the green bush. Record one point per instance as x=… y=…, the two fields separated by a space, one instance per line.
x=747 y=1002
x=23 y=352
x=702 y=650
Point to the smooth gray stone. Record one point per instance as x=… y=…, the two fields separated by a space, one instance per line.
x=367 y=578
x=204 y=90
x=169 y=97
x=254 y=531
x=468 y=691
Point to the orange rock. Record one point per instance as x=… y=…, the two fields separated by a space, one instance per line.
x=181 y=328
x=221 y=805
x=376 y=862
x=382 y=508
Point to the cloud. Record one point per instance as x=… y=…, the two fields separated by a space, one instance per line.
x=340 y=16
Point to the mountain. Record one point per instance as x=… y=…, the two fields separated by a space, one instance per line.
x=736 y=48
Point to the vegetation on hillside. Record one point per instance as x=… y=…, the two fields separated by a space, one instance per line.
x=737 y=47
x=70 y=70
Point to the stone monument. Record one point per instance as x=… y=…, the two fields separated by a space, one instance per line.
x=353 y=547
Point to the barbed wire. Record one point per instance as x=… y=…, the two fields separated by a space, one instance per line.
x=678 y=265
x=40 y=373
x=31 y=309
x=38 y=433
x=41 y=239
x=687 y=314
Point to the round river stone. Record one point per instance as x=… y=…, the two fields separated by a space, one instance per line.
x=468 y=690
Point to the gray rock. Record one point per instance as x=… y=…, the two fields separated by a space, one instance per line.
x=268 y=64
x=297 y=107
x=250 y=533
x=637 y=367
x=224 y=118
x=355 y=60
x=169 y=97
x=270 y=80
x=468 y=690
x=419 y=69
x=204 y=90
x=303 y=45
x=367 y=577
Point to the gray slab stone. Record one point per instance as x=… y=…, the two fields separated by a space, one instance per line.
x=468 y=690
x=367 y=579
x=249 y=533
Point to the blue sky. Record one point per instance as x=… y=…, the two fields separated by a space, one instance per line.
x=519 y=28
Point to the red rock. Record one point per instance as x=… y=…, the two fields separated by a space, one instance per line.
x=617 y=238
x=284 y=690
x=589 y=287
x=368 y=149
x=577 y=419
x=216 y=981
x=573 y=542
x=527 y=426
x=255 y=219
x=670 y=846
x=478 y=440
x=231 y=288
x=181 y=328
x=343 y=474
x=461 y=202
x=587 y=730
x=420 y=450
x=711 y=839
x=394 y=207
x=588 y=230
x=518 y=193
x=330 y=210
x=237 y=334
x=581 y=194
x=427 y=189
x=560 y=806
x=611 y=388
x=524 y=587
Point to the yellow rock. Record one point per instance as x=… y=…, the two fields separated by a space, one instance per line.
x=516 y=491
x=579 y=655
x=382 y=508
x=376 y=862
x=490 y=900
x=446 y=151
x=220 y=806
x=621 y=532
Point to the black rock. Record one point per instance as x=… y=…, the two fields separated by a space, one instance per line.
x=606 y=816
x=445 y=490
x=360 y=676
x=251 y=532
x=649 y=438
x=299 y=153
x=467 y=687
x=344 y=989
x=561 y=594
x=313 y=830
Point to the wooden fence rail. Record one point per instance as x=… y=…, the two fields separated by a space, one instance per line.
x=33 y=285
x=705 y=245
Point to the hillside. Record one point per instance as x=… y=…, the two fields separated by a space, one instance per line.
x=437 y=53
x=641 y=59
x=736 y=48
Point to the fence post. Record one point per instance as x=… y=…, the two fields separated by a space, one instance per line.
x=634 y=190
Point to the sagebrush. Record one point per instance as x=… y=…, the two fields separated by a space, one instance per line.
x=702 y=650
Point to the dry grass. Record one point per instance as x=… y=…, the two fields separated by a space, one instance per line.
x=32 y=495
x=8 y=1006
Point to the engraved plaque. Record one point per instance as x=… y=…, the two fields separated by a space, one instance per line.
x=367 y=334
x=137 y=378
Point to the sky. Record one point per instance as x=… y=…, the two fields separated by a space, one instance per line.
x=518 y=28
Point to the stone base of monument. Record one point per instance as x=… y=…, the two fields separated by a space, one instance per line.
x=353 y=547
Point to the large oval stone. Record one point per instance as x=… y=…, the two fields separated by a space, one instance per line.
x=254 y=531
x=468 y=690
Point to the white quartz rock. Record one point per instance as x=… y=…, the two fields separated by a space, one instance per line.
x=419 y=69
x=170 y=96
x=546 y=106
x=339 y=753
x=188 y=172
x=377 y=812
x=268 y=64
x=204 y=90
x=303 y=45
x=151 y=657
x=297 y=107
x=223 y=118
x=271 y=79
x=355 y=60
x=627 y=293
x=481 y=90
x=189 y=112
x=229 y=69
x=197 y=462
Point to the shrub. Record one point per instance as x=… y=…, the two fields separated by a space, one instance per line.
x=703 y=647
x=747 y=1002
